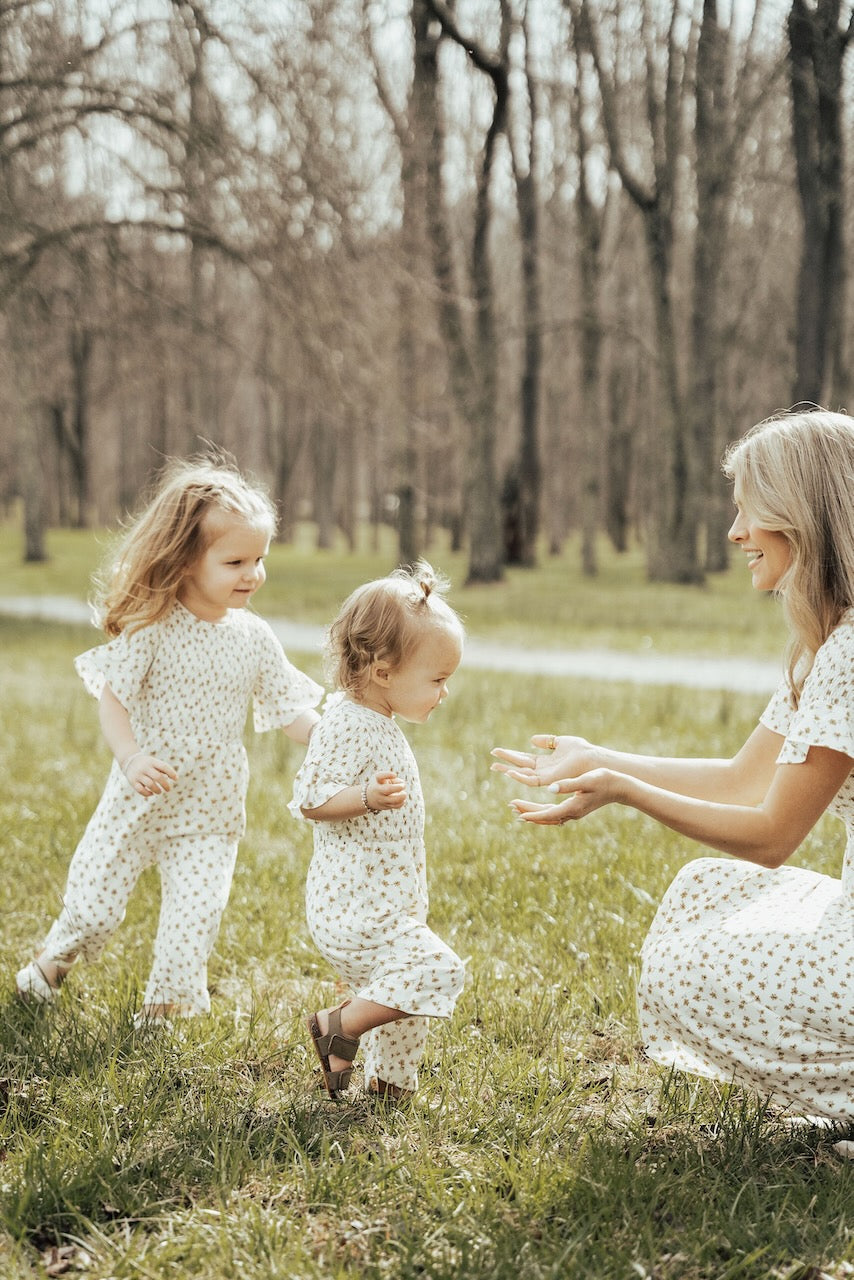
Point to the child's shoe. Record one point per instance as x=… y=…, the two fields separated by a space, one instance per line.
x=33 y=985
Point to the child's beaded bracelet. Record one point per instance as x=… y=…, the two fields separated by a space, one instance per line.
x=366 y=806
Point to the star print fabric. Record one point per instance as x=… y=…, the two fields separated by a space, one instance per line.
x=366 y=892
x=187 y=686
x=748 y=972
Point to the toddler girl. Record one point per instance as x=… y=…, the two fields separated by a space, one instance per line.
x=174 y=684
x=392 y=649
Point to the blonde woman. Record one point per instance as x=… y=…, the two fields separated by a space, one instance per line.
x=185 y=660
x=748 y=968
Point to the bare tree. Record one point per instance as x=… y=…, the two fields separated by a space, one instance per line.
x=473 y=358
x=817 y=47
x=674 y=549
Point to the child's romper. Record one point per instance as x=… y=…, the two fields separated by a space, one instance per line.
x=186 y=685
x=366 y=895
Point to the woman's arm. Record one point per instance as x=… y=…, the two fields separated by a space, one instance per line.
x=385 y=791
x=744 y=779
x=766 y=831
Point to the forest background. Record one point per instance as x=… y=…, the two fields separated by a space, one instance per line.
x=516 y=268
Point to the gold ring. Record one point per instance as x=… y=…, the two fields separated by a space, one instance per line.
x=552 y=742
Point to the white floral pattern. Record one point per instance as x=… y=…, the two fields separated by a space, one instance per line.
x=748 y=973
x=187 y=686
x=366 y=893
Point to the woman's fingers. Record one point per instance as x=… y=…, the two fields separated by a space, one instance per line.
x=544 y=815
x=516 y=759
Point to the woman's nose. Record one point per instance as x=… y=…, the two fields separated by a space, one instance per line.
x=736 y=529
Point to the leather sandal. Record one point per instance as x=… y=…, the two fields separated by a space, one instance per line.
x=336 y=1044
x=384 y=1091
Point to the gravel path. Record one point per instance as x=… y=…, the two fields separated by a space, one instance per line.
x=740 y=675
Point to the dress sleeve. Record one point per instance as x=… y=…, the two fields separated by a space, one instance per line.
x=825 y=713
x=282 y=692
x=339 y=755
x=122 y=663
x=778 y=714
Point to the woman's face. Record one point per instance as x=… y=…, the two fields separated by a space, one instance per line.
x=768 y=552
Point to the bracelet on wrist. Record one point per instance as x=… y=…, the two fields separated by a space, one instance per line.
x=368 y=808
x=124 y=764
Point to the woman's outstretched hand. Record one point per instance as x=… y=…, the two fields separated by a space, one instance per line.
x=566 y=757
x=587 y=793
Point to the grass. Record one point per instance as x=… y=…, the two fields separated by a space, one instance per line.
x=543 y=1144
x=555 y=603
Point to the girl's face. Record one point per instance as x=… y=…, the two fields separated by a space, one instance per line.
x=228 y=574
x=415 y=688
x=769 y=552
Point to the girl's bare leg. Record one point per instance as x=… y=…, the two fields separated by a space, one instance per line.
x=357 y=1017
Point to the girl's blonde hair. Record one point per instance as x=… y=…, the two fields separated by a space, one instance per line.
x=795 y=473
x=383 y=621
x=191 y=502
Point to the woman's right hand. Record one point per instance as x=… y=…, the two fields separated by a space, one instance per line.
x=568 y=757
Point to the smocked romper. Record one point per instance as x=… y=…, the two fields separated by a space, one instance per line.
x=366 y=894
x=748 y=973
x=187 y=686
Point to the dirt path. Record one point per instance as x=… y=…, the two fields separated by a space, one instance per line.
x=740 y=675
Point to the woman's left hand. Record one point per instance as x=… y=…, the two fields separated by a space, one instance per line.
x=587 y=793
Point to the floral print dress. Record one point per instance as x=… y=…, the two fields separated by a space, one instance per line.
x=187 y=685
x=366 y=893
x=747 y=972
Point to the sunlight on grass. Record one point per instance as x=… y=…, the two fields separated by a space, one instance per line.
x=543 y=1144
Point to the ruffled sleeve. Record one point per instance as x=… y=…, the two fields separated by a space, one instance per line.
x=122 y=663
x=778 y=714
x=825 y=713
x=339 y=755
x=282 y=692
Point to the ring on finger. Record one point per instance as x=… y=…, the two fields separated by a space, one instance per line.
x=551 y=742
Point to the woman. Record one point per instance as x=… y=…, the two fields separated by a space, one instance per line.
x=748 y=968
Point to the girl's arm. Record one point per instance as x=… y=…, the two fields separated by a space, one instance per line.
x=300 y=729
x=385 y=791
x=765 y=831
x=146 y=774
x=745 y=779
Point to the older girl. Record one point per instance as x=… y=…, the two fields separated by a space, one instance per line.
x=174 y=683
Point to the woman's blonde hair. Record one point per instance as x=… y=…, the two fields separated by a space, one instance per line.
x=383 y=621
x=187 y=510
x=795 y=473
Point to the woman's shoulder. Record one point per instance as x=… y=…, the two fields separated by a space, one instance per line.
x=839 y=645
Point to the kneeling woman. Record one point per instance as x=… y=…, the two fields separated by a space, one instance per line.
x=748 y=968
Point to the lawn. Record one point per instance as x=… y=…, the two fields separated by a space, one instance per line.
x=552 y=606
x=542 y=1143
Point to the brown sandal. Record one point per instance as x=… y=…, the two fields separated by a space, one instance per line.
x=334 y=1042
x=383 y=1091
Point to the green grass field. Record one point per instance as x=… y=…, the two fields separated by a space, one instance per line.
x=542 y=1144
x=553 y=606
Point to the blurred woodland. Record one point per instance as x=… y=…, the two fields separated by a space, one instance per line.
x=517 y=268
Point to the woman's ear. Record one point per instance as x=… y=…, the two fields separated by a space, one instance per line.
x=380 y=672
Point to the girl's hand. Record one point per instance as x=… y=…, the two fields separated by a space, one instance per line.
x=149 y=776
x=386 y=791
x=568 y=757
x=587 y=793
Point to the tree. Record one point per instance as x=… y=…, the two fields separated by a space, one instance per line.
x=817 y=48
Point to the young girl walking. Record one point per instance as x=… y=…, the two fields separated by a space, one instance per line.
x=391 y=650
x=185 y=659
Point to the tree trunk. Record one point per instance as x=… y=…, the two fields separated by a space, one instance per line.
x=817 y=49
x=474 y=374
